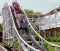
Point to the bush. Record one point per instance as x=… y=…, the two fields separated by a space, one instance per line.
x=53 y=39
x=1 y=28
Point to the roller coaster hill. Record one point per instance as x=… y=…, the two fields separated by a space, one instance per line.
x=22 y=24
x=15 y=24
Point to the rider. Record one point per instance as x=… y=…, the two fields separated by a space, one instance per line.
x=23 y=23
x=20 y=17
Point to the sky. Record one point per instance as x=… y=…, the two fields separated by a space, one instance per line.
x=41 y=5
x=36 y=5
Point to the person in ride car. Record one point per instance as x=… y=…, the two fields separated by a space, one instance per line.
x=20 y=17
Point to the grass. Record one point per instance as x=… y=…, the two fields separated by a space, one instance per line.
x=53 y=39
x=52 y=48
x=57 y=43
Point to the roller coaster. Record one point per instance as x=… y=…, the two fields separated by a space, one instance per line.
x=27 y=41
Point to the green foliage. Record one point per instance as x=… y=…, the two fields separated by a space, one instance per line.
x=50 y=48
x=16 y=44
x=31 y=13
x=53 y=39
x=45 y=45
x=37 y=38
x=1 y=28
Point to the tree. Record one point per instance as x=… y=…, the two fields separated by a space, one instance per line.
x=31 y=13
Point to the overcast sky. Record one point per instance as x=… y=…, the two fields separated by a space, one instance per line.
x=37 y=5
x=41 y=5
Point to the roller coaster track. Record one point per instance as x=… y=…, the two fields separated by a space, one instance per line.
x=25 y=39
x=25 y=43
x=19 y=34
x=54 y=11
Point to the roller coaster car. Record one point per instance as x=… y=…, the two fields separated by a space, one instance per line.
x=19 y=16
x=16 y=12
x=17 y=8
